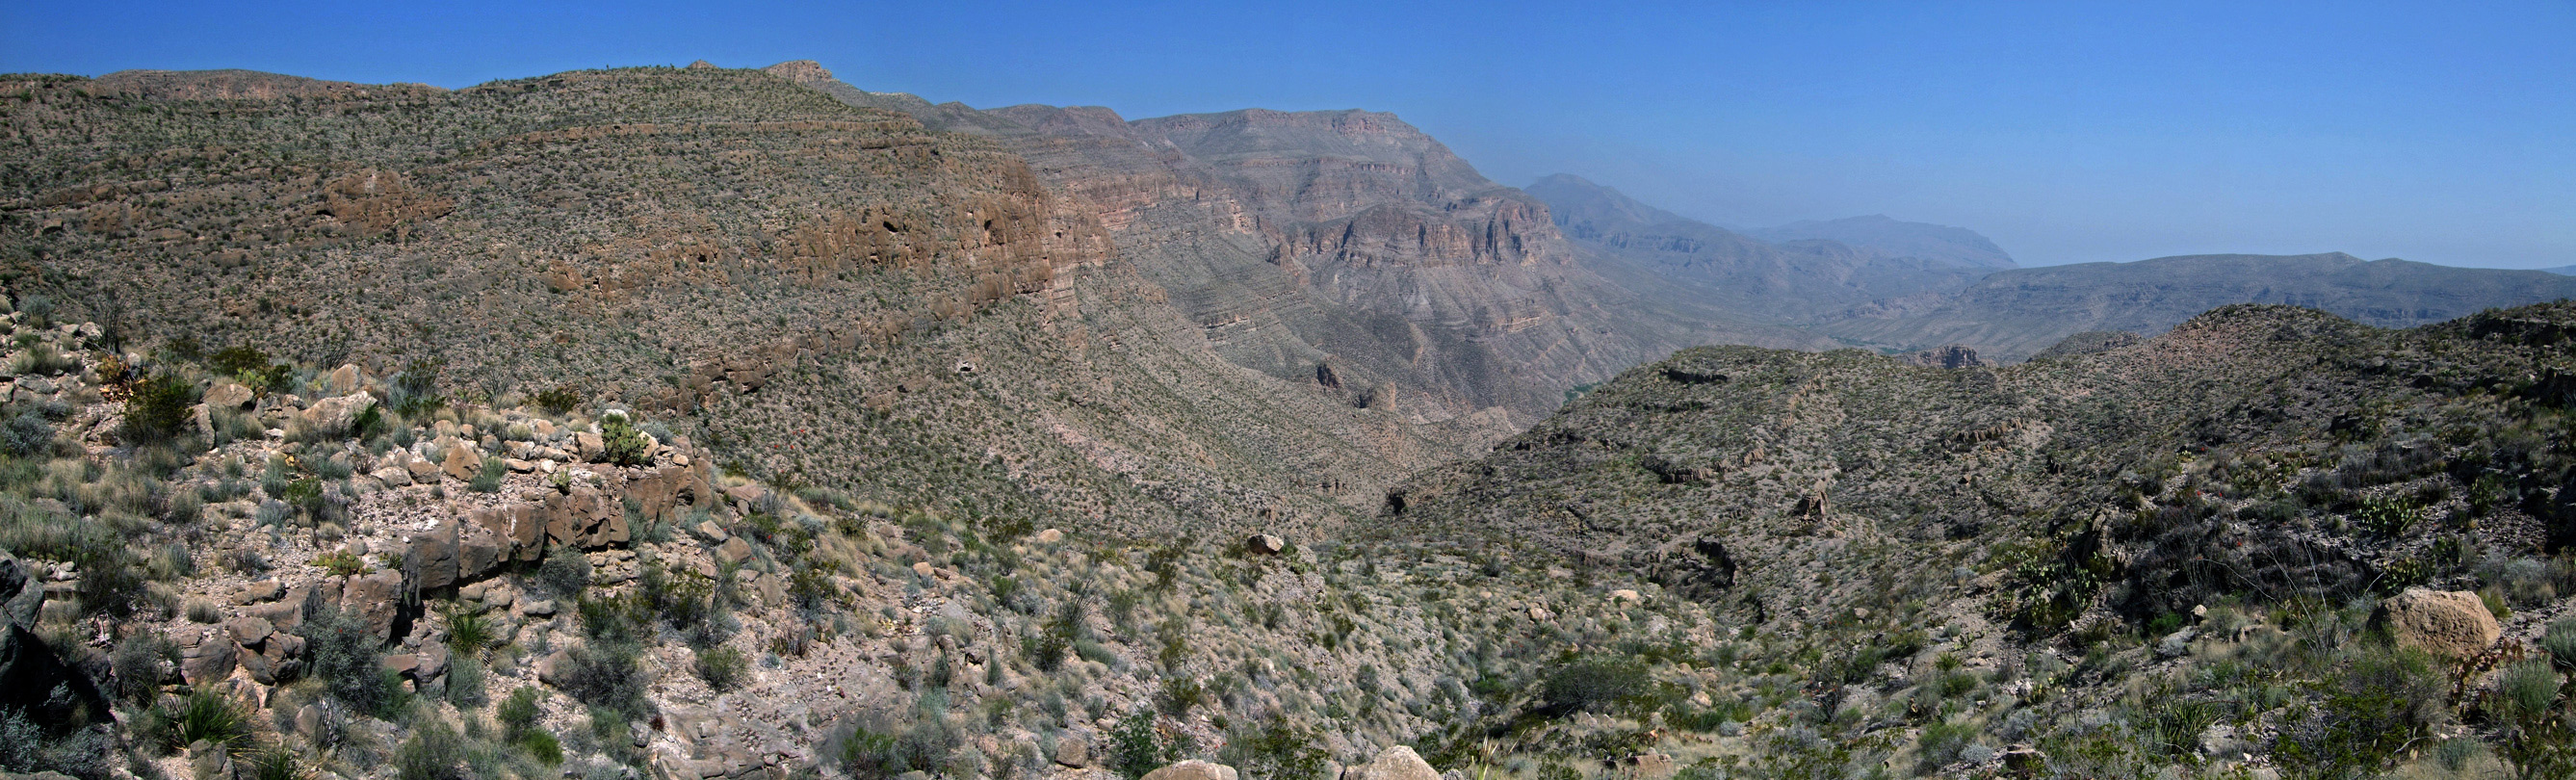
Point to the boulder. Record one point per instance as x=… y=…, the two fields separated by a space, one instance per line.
x=376 y=598
x=421 y=470
x=345 y=378
x=733 y=552
x=211 y=660
x=1626 y=596
x=1195 y=769
x=2448 y=623
x=592 y=448
x=1050 y=536
x=1073 y=752
x=1395 y=763
x=432 y=562
x=1650 y=766
x=462 y=463
x=230 y=395
x=1265 y=544
x=337 y=415
x=250 y=631
x=479 y=551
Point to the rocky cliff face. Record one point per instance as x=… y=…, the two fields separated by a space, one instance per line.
x=807 y=287
x=1351 y=242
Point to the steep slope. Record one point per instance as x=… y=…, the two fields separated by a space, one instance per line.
x=1794 y=282
x=2011 y=314
x=824 y=294
x=1349 y=251
x=2280 y=469
x=1880 y=235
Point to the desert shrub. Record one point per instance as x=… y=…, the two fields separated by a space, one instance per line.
x=1274 y=751
x=565 y=572
x=43 y=359
x=518 y=712
x=2560 y=641
x=341 y=652
x=1134 y=748
x=25 y=432
x=2381 y=699
x=721 y=666
x=465 y=681
x=468 y=631
x=141 y=662
x=865 y=753
x=489 y=479
x=28 y=747
x=340 y=563
x=272 y=762
x=158 y=411
x=2527 y=690
x=542 y=746
x=558 y=400
x=201 y=715
x=111 y=581
x=434 y=752
x=413 y=393
x=1591 y=684
x=606 y=675
x=626 y=444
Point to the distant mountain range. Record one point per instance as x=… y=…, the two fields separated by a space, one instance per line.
x=2569 y=270
x=1895 y=286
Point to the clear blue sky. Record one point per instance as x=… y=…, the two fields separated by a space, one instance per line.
x=2068 y=132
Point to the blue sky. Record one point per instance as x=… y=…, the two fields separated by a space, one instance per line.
x=2068 y=132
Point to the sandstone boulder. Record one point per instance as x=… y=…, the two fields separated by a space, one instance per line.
x=1395 y=763
x=1195 y=769
x=230 y=395
x=1265 y=544
x=345 y=378
x=1073 y=752
x=462 y=463
x=376 y=599
x=2447 y=623
x=337 y=415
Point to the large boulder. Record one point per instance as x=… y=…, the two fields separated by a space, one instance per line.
x=1395 y=763
x=337 y=416
x=462 y=463
x=2448 y=623
x=1195 y=769
x=230 y=395
x=375 y=598
x=1265 y=544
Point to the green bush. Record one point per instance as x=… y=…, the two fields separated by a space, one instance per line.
x=1275 y=751
x=42 y=359
x=489 y=479
x=565 y=572
x=28 y=747
x=141 y=662
x=272 y=762
x=721 y=666
x=1591 y=684
x=559 y=400
x=606 y=675
x=158 y=411
x=434 y=752
x=2380 y=700
x=2560 y=641
x=342 y=654
x=518 y=712
x=26 y=432
x=201 y=715
x=1134 y=748
x=468 y=631
x=626 y=444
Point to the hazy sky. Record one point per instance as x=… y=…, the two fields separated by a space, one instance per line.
x=2068 y=132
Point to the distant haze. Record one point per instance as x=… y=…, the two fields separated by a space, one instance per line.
x=2065 y=132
